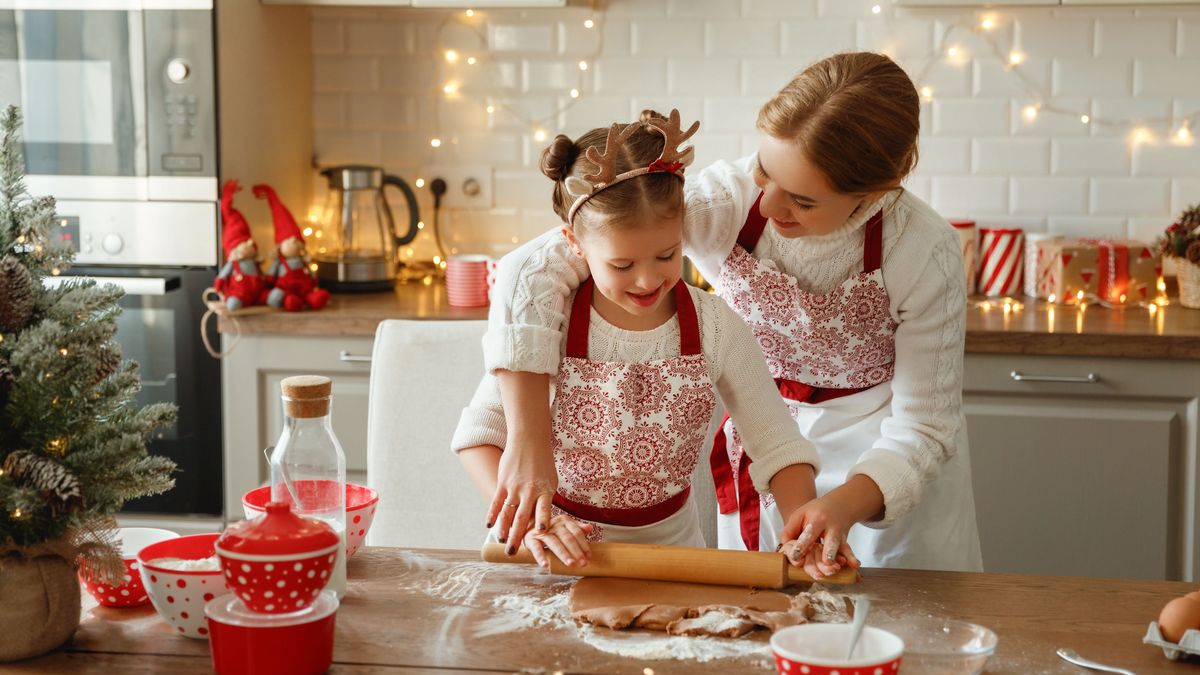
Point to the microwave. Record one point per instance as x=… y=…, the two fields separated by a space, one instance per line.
x=118 y=99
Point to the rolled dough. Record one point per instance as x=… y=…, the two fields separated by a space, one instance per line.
x=684 y=609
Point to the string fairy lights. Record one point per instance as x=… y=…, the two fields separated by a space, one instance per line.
x=1142 y=130
x=454 y=85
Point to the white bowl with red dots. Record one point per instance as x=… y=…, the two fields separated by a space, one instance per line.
x=361 y=502
x=181 y=575
x=278 y=563
x=820 y=649
x=130 y=592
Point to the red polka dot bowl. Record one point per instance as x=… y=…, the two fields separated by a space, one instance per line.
x=131 y=591
x=279 y=563
x=820 y=649
x=181 y=575
x=360 y=511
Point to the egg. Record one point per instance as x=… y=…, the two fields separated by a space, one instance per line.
x=1178 y=616
x=1195 y=595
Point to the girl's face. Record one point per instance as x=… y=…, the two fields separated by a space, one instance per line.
x=634 y=269
x=796 y=196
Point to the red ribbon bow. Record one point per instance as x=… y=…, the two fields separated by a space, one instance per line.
x=669 y=167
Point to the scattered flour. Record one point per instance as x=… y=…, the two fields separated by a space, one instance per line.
x=210 y=564
x=649 y=646
x=458 y=583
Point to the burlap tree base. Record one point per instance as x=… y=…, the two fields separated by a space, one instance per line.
x=40 y=607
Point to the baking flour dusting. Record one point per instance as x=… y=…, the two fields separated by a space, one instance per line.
x=648 y=646
x=525 y=611
x=457 y=583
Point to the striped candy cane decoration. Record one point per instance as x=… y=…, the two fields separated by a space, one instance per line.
x=1001 y=260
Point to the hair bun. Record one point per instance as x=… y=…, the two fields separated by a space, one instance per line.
x=648 y=115
x=558 y=157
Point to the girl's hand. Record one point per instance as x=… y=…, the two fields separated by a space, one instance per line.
x=565 y=538
x=525 y=485
x=815 y=538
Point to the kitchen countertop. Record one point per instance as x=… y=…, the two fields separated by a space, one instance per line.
x=432 y=611
x=1171 y=332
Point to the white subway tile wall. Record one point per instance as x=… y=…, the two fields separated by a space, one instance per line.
x=380 y=75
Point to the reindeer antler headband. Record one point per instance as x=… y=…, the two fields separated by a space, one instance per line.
x=672 y=160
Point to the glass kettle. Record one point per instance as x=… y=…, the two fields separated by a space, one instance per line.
x=363 y=249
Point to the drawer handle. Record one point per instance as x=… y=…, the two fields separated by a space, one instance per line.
x=1090 y=378
x=351 y=358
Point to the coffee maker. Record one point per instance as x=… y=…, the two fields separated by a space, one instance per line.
x=362 y=252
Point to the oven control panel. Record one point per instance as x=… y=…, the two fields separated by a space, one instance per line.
x=140 y=233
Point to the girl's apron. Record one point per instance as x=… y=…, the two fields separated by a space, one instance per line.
x=627 y=436
x=833 y=356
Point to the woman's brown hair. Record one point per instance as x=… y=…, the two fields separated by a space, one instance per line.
x=627 y=203
x=855 y=116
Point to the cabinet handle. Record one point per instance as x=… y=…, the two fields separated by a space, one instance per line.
x=351 y=358
x=1090 y=378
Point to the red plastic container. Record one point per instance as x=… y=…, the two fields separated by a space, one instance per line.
x=279 y=563
x=248 y=643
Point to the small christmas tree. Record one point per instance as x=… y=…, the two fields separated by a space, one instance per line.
x=72 y=443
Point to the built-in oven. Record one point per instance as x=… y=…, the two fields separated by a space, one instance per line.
x=119 y=105
x=159 y=327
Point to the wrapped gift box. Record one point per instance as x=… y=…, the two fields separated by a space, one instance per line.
x=1066 y=267
x=1126 y=268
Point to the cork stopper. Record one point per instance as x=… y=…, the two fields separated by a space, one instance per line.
x=306 y=396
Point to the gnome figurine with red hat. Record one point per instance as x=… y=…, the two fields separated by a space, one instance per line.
x=295 y=285
x=240 y=280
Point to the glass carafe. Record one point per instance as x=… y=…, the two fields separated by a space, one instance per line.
x=308 y=467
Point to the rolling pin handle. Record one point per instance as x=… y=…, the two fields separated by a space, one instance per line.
x=497 y=553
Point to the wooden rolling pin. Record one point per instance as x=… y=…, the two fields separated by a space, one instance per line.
x=678 y=563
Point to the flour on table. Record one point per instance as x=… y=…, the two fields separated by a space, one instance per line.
x=458 y=583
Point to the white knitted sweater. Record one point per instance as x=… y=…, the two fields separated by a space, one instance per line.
x=922 y=271
x=735 y=366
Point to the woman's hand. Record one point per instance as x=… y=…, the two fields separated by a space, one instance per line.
x=525 y=485
x=527 y=479
x=565 y=538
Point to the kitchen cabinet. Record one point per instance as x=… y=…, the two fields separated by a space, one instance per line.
x=1085 y=466
x=253 y=412
x=459 y=4
x=1036 y=3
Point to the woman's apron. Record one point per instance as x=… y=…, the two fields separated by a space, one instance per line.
x=833 y=356
x=627 y=436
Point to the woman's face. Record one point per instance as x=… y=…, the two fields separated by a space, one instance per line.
x=635 y=268
x=797 y=197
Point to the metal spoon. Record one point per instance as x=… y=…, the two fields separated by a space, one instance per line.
x=1070 y=656
x=861 y=607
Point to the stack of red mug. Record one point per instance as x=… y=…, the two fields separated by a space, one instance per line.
x=278 y=619
x=467 y=280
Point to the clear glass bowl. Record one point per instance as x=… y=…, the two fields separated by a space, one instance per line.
x=935 y=646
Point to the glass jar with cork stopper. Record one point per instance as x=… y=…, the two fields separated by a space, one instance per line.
x=308 y=467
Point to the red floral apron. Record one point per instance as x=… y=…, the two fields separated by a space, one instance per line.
x=627 y=436
x=818 y=347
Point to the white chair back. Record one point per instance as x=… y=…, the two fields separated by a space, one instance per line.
x=422 y=376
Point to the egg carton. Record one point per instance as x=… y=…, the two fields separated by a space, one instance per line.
x=1189 y=644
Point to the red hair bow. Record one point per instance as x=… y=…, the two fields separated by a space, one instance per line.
x=669 y=167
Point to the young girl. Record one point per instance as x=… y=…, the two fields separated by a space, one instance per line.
x=643 y=358
x=854 y=290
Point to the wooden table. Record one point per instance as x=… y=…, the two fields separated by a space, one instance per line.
x=410 y=611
